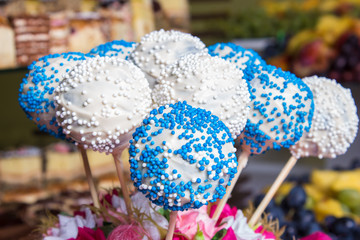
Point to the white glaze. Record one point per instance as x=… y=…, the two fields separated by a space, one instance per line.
x=101 y=101
x=158 y=49
x=206 y=82
x=335 y=122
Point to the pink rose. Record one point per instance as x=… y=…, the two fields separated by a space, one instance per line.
x=131 y=231
x=226 y=212
x=230 y=234
x=89 y=234
x=317 y=236
x=179 y=236
x=266 y=234
x=188 y=222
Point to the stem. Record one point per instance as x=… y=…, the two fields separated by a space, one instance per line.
x=274 y=187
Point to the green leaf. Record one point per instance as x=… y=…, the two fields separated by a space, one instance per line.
x=220 y=234
x=199 y=236
x=165 y=213
x=107 y=228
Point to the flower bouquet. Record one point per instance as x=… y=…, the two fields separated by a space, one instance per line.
x=112 y=222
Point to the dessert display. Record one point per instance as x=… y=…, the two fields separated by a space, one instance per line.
x=180 y=135
x=143 y=18
x=86 y=32
x=63 y=163
x=22 y=166
x=172 y=15
x=58 y=33
x=31 y=38
x=8 y=51
x=31 y=29
x=30 y=174
x=119 y=16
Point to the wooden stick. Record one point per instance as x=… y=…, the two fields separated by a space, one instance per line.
x=172 y=222
x=242 y=161
x=274 y=187
x=90 y=179
x=124 y=187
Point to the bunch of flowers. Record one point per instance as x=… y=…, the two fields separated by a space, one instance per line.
x=112 y=222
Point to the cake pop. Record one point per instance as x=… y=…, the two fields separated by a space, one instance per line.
x=116 y=48
x=36 y=93
x=335 y=122
x=281 y=111
x=101 y=101
x=334 y=127
x=159 y=49
x=206 y=82
x=182 y=157
x=236 y=54
x=99 y=104
x=36 y=98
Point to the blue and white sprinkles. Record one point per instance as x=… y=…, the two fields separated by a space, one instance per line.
x=282 y=108
x=241 y=57
x=182 y=157
x=36 y=91
x=116 y=48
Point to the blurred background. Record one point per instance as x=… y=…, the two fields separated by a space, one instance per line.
x=38 y=172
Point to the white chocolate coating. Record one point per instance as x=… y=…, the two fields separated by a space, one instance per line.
x=37 y=91
x=158 y=49
x=206 y=82
x=281 y=110
x=101 y=101
x=335 y=122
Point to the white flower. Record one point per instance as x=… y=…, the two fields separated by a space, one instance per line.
x=69 y=226
x=140 y=202
x=240 y=227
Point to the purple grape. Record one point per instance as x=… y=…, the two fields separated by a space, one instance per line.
x=296 y=197
x=343 y=226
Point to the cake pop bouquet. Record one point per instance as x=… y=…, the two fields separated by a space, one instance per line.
x=182 y=154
